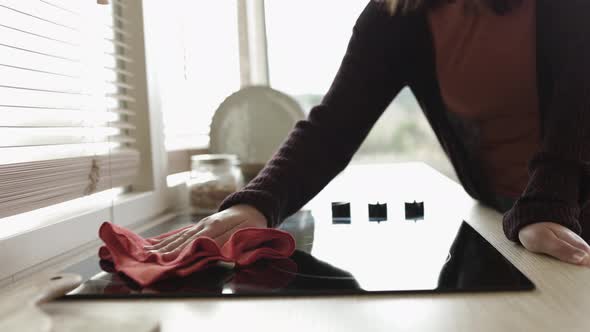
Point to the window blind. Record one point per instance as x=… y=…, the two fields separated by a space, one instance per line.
x=65 y=106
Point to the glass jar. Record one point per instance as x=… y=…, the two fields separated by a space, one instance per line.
x=213 y=178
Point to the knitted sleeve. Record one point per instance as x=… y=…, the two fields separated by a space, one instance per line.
x=558 y=172
x=318 y=148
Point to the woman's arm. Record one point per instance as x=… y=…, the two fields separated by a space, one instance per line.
x=555 y=191
x=373 y=71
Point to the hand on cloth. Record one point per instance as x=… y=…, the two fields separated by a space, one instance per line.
x=227 y=236
x=219 y=227
x=557 y=241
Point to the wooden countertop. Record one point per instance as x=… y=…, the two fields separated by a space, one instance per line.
x=560 y=302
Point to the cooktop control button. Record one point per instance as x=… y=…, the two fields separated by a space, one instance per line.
x=415 y=211
x=377 y=212
x=341 y=213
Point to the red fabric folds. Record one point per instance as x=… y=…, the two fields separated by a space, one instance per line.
x=125 y=250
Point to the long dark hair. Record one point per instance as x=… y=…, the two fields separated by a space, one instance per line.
x=498 y=6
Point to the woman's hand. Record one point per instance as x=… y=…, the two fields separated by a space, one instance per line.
x=557 y=241
x=219 y=226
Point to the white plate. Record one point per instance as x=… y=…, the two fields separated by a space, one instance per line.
x=252 y=123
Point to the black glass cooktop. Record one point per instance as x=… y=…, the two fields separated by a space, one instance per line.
x=333 y=258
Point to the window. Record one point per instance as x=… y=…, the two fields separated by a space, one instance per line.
x=201 y=68
x=219 y=47
x=295 y=47
x=75 y=121
x=306 y=42
x=64 y=131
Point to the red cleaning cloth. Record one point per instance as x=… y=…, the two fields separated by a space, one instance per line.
x=125 y=250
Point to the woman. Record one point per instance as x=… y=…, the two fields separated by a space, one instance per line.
x=505 y=84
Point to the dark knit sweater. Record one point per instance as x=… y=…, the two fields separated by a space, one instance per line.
x=387 y=53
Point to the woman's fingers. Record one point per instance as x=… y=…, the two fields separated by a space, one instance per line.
x=219 y=227
x=564 y=251
x=164 y=242
x=224 y=236
x=572 y=238
x=182 y=242
x=160 y=238
x=582 y=252
x=170 y=252
x=167 y=241
x=543 y=239
x=211 y=228
x=170 y=246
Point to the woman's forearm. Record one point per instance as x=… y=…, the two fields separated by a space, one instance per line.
x=372 y=72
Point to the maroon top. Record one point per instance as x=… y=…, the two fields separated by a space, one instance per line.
x=387 y=53
x=486 y=67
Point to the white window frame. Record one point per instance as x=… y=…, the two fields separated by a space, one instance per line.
x=253 y=43
x=148 y=199
x=151 y=197
x=254 y=69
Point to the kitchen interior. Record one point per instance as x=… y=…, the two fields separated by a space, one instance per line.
x=127 y=119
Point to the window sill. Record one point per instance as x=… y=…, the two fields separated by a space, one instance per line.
x=61 y=234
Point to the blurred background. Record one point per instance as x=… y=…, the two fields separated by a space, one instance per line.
x=304 y=44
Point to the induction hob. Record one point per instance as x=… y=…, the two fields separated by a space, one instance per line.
x=335 y=258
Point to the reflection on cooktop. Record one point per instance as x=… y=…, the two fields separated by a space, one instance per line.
x=330 y=260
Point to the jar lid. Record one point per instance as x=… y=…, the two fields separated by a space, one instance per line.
x=215 y=159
